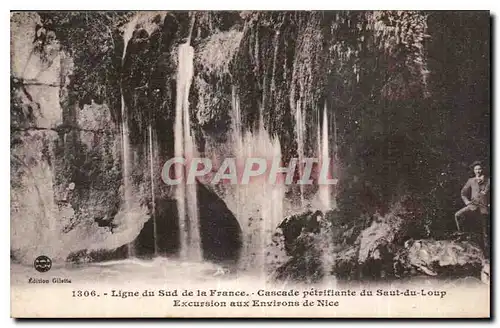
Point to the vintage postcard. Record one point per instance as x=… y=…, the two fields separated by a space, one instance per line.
x=250 y=164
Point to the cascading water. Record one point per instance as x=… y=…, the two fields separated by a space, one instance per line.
x=185 y=194
x=258 y=201
x=258 y=204
x=126 y=150
x=324 y=151
x=272 y=200
x=237 y=140
x=299 y=133
x=143 y=20
x=325 y=198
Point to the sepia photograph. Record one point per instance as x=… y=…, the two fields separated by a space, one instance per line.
x=250 y=164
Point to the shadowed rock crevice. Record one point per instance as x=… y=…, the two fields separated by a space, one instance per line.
x=220 y=232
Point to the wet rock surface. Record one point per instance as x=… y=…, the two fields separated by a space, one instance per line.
x=301 y=240
x=381 y=250
x=440 y=257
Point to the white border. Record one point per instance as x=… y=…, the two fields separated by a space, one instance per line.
x=250 y=5
x=203 y=5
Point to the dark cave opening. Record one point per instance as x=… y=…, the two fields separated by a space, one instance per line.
x=221 y=237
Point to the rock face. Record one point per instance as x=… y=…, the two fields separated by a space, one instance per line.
x=312 y=244
x=441 y=257
x=66 y=167
x=303 y=241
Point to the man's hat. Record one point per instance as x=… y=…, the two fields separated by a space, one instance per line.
x=476 y=163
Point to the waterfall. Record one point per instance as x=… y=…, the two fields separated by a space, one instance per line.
x=299 y=132
x=185 y=194
x=126 y=150
x=258 y=204
x=237 y=141
x=272 y=200
x=324 y=189
x=129 y=207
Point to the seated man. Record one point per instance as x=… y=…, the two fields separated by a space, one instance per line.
x=475 y=195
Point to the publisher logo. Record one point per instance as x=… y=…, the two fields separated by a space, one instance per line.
x=42 y=263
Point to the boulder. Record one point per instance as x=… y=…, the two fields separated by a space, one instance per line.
x=443 y=258
x=302 y=241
